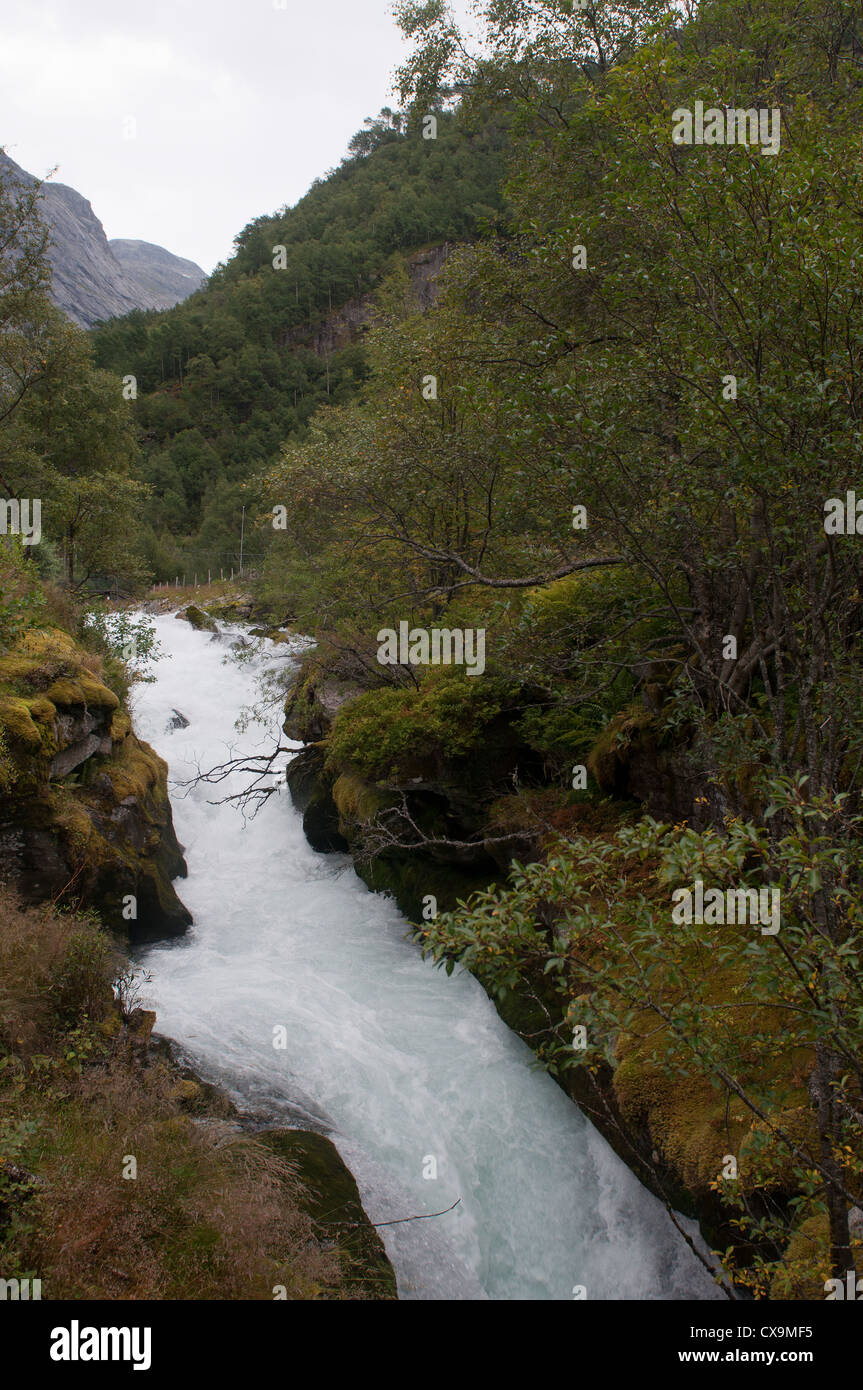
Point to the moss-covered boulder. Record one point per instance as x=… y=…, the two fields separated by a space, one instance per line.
x=200 y=621
x=331 y=1197
x=84 y=811
x=314 y=699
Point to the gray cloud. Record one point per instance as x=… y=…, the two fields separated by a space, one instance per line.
x=237 y=105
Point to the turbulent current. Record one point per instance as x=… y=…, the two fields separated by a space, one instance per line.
x=397 y=1063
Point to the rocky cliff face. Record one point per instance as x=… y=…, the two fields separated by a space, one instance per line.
x=346 y=325
x=160 y=278
x=96 y=279
x=84 y=809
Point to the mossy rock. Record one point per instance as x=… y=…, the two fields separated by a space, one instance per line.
x=331 y=1197
x=799 y=1122
x=97 y=845
x=200 y=621
x=28 y=741
x=358 y=802
x=82 y=689
x=52 y=702
x=806 y=1267
x=18 y=725
x=42 y=711
x=108 y=833
x=40 y=648
x=136 y=770
x=609 y=757
x=121 y=726
x=688 y=1121
x=411 y=878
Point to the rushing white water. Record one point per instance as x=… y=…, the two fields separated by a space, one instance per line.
x=396 y=1062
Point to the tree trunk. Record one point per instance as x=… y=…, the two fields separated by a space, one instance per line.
x=825 y=1076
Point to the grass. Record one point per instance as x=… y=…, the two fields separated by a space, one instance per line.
x=212 y=1212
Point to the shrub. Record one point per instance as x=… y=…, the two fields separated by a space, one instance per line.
x=81 y=979
x=384 y=732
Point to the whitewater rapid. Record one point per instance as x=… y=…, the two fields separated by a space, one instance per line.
x=397 y=1063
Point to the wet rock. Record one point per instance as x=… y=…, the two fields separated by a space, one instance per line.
x=200 y=621
x=331 y=1197
x=312 y=794
x=177 y=721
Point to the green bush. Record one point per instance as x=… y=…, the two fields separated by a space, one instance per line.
x=385 y=732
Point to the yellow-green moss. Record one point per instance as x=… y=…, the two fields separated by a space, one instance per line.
x=71 y=819
x=8 y=771
x=688 y=1122
x=18 y=725
x=694 y=1124
x=807 y=1262
x=357 y=802
x=82 y=689
x=48 y=661
x=42 y=711
x=134 y=770
x=200 y=621
x=796 y=1121
x=121 y=726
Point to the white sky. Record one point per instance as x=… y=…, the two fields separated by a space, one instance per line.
x=237 y=105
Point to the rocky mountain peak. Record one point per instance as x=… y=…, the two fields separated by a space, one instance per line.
x=96 y=279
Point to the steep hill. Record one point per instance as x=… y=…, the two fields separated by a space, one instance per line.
x=225 y=378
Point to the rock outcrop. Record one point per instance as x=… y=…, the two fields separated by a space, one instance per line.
x=345 y=325
x=424 y=801
x=84 y=809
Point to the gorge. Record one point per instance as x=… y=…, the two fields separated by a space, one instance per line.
x=392 y=1059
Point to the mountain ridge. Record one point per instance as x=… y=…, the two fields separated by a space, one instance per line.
x=94 y=279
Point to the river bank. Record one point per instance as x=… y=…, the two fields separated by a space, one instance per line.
x=122 y=1173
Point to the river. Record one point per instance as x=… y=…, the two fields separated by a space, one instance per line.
x=428 y=1096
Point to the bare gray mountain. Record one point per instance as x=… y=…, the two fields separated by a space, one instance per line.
x=161 y=278
x=97 y=279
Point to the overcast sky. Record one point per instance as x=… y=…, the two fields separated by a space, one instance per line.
x=181 y=120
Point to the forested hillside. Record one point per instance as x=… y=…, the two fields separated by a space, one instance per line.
x=227 y=377
x=617 y=447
